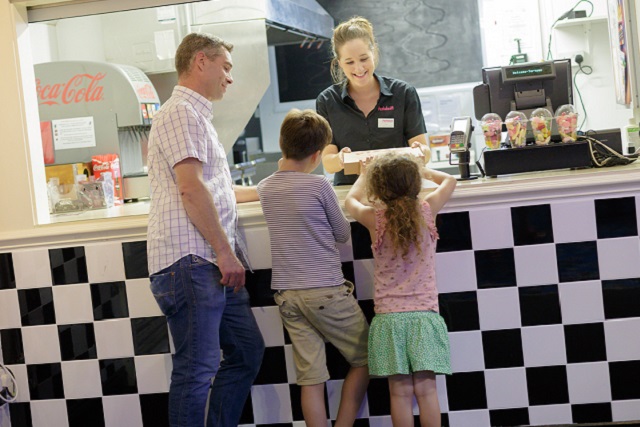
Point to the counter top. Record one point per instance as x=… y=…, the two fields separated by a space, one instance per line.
x=130 y=220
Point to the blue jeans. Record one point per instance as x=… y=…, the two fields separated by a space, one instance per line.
x=242 y=350
x=191 y=297
x=204 y=316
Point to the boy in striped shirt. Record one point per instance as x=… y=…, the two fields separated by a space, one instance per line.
x=316 y=303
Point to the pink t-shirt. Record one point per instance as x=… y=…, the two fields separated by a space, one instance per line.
x=405 y=284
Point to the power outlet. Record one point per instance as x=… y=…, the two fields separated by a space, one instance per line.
x=573 y=54
x=575 y=59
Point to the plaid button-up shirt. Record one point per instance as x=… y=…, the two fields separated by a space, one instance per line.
x=182 y=129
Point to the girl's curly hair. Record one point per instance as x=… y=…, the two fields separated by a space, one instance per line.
x=395 y=180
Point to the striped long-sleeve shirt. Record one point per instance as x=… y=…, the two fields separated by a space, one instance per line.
x=305 y=222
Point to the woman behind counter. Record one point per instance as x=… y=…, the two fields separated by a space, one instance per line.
x=366 y=111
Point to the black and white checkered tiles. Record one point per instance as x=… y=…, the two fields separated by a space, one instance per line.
x=542 y=303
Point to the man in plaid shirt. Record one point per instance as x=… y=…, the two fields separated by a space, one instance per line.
x=196 y=255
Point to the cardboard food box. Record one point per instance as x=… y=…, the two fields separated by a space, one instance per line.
x=352 y=160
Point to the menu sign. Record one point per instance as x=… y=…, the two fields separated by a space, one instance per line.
x=77 y=132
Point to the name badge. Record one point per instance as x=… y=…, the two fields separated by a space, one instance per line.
x=385 y=123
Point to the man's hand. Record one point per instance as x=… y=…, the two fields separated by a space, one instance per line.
x=232 y=272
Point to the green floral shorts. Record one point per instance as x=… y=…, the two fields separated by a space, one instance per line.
x=407 y=342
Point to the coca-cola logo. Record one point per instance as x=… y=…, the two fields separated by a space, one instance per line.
x=101 y=166
x=146 y=92
x=79 y=88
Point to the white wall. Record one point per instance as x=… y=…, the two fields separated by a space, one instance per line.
x=45 y=46
x=88 y=47
x=59 y=40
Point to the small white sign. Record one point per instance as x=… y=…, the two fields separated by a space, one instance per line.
x=385 y=123
x=77 y=132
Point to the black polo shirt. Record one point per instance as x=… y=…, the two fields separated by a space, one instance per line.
x=396 y=118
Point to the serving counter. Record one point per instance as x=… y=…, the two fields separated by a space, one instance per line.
x=539 y=280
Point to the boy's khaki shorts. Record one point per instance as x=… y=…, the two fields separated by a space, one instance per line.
x=313 y=316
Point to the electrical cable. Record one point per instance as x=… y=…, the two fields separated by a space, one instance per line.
x=603 y=155
x=563 y=16
x=586 y=70
x=13 y=394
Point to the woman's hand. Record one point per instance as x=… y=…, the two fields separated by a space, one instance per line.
x=341 y=155
x=332 y=159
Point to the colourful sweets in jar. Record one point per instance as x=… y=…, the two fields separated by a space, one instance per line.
x=516 y=123
x=541 y=120
x=491 y=125
x=567 y=121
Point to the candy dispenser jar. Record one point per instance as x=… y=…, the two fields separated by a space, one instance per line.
x=567 y=121
x=516 y=123
x=491 y=125
x=541 y=120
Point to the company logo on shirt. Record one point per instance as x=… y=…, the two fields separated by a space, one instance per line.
x=389 y=108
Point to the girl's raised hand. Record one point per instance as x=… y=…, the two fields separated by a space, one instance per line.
x=364 y=163
x=425 y=150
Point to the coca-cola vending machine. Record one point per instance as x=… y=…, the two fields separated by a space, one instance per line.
x=96 y=113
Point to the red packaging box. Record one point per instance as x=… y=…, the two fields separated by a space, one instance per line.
x=109 y=163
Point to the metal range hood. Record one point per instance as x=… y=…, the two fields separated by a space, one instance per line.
x=293 y=22
x=286 y=21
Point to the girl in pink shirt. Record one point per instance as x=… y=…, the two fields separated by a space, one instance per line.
x=408 y=339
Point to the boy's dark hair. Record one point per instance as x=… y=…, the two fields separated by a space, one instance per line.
x=303 y=133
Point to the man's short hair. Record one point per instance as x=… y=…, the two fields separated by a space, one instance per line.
x=197 y=42
x=303 y=133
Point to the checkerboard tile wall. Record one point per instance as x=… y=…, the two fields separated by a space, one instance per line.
x=542 y=302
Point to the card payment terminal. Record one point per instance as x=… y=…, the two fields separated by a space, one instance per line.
x=459 y=144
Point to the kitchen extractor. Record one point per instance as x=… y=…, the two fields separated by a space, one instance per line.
x=89 y=109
